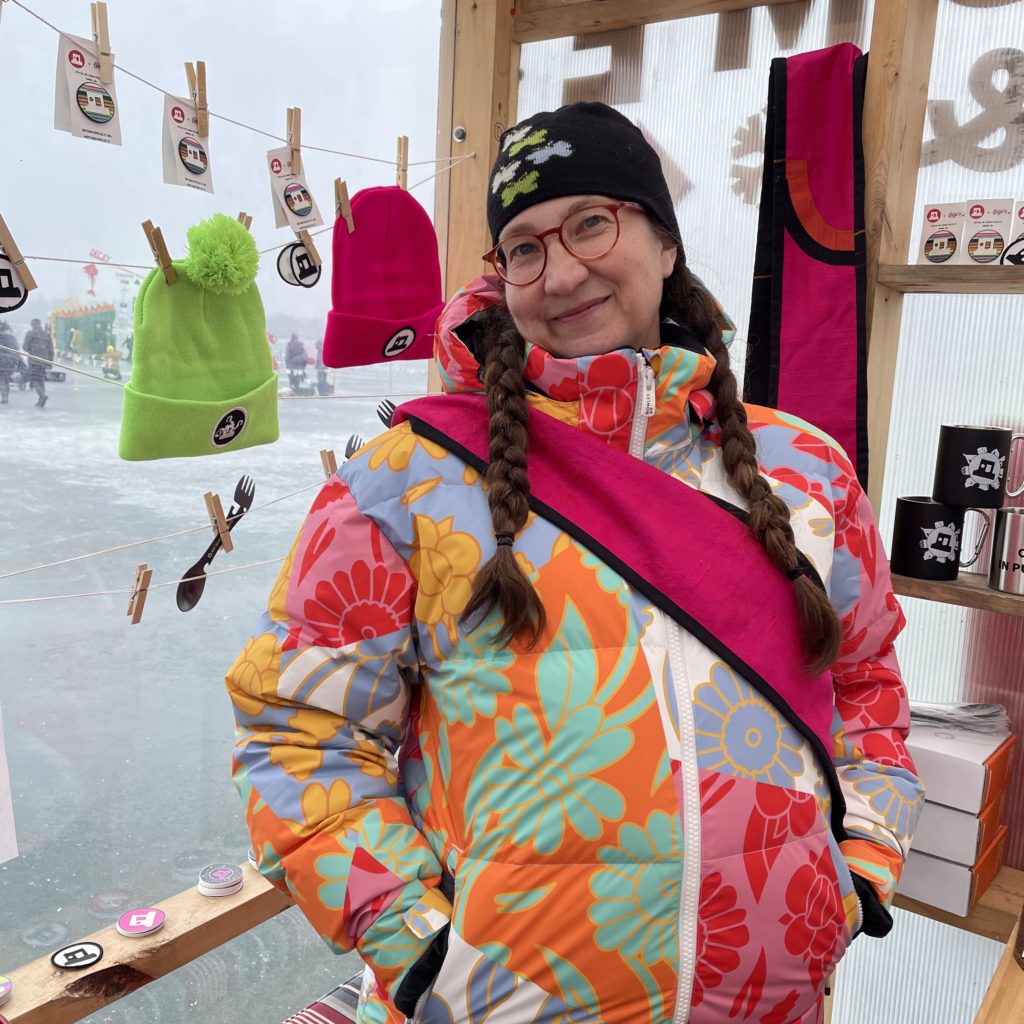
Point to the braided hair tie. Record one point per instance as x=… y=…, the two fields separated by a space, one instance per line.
x=503 y=537
x=795 y=574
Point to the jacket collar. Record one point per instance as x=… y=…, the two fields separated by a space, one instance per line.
x=597 y=394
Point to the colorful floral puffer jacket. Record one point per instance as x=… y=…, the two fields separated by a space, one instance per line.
x=616 y=852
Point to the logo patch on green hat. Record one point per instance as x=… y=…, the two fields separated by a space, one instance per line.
x=229 y=426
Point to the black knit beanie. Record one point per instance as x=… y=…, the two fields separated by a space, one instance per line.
x=578 y=149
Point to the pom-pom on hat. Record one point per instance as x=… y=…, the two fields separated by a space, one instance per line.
x=579 y=149
x=202 y=378
x=386 y=282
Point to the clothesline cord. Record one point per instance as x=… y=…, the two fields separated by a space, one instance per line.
x=262 y=252
x=152 y=586
x=153 y=540
x=281 y=398
x=240 y=124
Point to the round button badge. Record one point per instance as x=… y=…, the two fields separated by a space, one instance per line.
x=95 y=102
x=77 y=956
x=13 y=294
x=220 y=876
x=5 y=989
x=296 y=267
x=141 y=921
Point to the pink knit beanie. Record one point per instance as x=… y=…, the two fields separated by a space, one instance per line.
x=386 y=284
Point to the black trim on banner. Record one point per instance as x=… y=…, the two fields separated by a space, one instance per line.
x=860 y=244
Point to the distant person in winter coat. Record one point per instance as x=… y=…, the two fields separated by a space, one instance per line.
x=575 y=699
x=10 y=361
x=38 y=345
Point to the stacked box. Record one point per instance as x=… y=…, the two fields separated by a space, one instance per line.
x=960 y=841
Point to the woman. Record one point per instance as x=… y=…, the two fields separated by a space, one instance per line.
x=637 y=671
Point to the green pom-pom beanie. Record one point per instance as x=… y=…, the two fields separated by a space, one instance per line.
x=202 y=376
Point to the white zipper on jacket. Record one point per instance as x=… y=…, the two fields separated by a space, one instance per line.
x=643 y=408
x=689 y=902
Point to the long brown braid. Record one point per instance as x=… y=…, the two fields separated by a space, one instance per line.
x=501 y=582
x=769 y=514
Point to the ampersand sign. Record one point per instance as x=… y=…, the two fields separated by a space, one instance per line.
x=1001 y=108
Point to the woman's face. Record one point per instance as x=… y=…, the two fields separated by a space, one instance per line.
x=582 y=308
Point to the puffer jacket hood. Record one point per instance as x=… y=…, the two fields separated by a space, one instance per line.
x=595 y=393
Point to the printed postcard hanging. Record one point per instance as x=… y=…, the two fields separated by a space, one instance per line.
x=186 y=154
x=83 y=104
x=294 y=206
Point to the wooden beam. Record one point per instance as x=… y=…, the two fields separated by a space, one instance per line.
x=42 y=994
x=483 y=101
x=550 y=19
x=952 y=280
x=1004 y=1000
x=899 y=66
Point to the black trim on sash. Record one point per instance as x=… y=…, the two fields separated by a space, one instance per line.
x=662 y=601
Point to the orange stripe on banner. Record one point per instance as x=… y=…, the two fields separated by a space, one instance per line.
x=813 y=222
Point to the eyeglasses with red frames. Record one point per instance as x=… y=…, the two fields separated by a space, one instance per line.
x=588 y=234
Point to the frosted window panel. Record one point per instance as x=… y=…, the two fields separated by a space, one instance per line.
x=698 y=88
x=119 y=737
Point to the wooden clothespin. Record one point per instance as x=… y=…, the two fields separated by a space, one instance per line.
x=294 y=136
x=155 y=237
x=140 y=587
x=402 y=168
x=329 y=462
x=342 y=207
x=14 y=255
x=197 y=90
x=245 y=219
x=101 y=36
x=303 y=237
x=217 y=520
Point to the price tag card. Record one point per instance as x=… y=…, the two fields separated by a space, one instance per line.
x=82 y=104
x=186 y=154
x=8 y=842
x=294 y=206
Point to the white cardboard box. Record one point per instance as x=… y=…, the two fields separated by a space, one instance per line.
x=955 y=888
x=956 y=835
x=961 y=769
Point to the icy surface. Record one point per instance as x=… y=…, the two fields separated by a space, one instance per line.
x=119 y=737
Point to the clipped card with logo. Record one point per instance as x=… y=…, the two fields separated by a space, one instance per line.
x=83 y=105
x=186 y=155
x=294 y=206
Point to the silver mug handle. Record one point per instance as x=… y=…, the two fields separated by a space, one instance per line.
x=1020 y=490
x=981 y=539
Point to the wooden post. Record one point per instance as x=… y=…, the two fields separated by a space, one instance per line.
x=899 y=66
x=480 y=62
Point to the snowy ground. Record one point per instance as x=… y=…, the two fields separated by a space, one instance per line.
x=119 y=737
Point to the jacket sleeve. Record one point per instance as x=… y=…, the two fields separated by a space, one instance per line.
x=884 y=796
x=321 y=697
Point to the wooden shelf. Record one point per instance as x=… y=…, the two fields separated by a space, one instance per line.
x=952 y=280
x=995 y=915
x=971 y=590
x=195 y=925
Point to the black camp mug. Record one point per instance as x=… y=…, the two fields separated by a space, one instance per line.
x=926 y=539
x=971 y=466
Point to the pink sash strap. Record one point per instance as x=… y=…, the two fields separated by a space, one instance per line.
x=691 y=558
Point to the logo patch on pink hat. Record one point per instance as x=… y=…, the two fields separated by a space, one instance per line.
x=398 y=342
